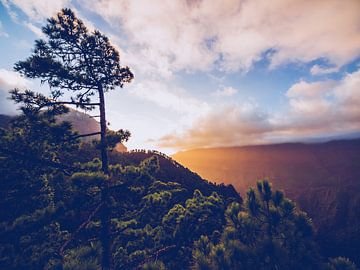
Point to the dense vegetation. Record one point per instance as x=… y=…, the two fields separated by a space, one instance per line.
x=63 y=207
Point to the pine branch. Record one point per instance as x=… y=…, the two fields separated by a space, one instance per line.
x=82 y=225
x=85 y=135
x=73 y=103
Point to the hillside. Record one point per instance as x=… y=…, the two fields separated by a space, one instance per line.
x=170 y=170
x=81 y=122
x=323 y=178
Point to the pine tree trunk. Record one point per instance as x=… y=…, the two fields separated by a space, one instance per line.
x=104 y=157
x=105 y=213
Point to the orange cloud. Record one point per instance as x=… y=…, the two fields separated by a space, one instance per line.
x=226 y=126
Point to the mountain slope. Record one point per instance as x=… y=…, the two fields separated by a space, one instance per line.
x=323 y=178
x=81 y=122
x=290 y=166
x=170 y=170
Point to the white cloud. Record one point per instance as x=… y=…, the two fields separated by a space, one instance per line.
x=347 y=95
x=169 y=97
x=225 y=91
x=319 y=70
x=322 y=107
x=11 y=12
x=10 y=80
x=36 y=10
x=165 y=36
x=305 y=89
x=196 y=35
x=36 y=30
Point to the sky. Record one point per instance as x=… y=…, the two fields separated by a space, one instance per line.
x=212 y=73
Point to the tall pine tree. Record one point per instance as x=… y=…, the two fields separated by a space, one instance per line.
x=85 y=63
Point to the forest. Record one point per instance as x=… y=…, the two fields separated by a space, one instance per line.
x=69 y=203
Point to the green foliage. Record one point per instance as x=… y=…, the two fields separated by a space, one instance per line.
x=268 y=233
x=32 y=151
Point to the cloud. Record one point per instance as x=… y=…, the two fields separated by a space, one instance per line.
x=233 y=35
x=347 y=96
x=224 y=126
x=225 y=91
x=162 y=35
x=10 y=80
x=169 y=97
x=307 y=90
x=166 y=36
x=326 y=98
x=319 y=70
x=317 y=108
x=36 y=10
x=321 y=108
x=36 y=30
x=11 y=12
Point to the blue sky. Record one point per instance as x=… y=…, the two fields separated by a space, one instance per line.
x=213 y=73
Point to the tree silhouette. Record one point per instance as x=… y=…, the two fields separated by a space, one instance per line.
x=74 y=59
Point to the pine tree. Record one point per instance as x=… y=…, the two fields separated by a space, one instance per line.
x=85 y=63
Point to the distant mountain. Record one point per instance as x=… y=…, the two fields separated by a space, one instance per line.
x=81 y=122
x=323 y=178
